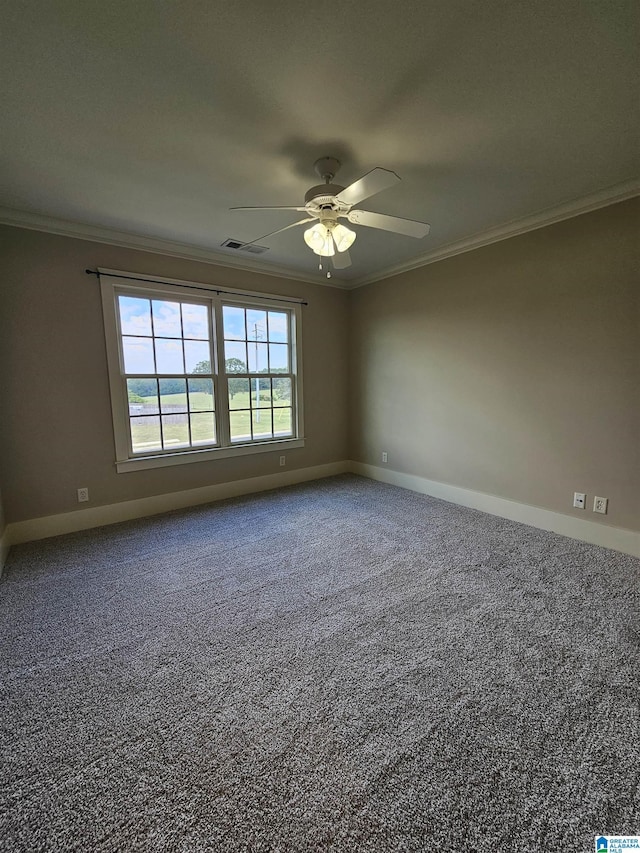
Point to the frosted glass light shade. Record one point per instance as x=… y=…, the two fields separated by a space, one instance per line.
x=318 y=238
x=343 y=237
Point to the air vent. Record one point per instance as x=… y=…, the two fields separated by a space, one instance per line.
x=239 y=246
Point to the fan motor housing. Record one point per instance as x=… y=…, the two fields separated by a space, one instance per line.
x=323 y=193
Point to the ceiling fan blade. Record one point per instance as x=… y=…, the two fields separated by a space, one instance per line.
x=409 y=227
x=302 y=209
x=341 y=260
x=370 y=184
x=286 y=228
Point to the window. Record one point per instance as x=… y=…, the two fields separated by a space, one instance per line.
x=259 y=380
x=196 y=374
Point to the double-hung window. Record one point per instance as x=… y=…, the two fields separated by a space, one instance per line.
x=197 y=374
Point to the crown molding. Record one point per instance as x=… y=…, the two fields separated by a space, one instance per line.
x=187 y=251
x=549 y=216
x=157 y=245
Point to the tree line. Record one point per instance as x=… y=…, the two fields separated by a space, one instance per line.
x=141 y=388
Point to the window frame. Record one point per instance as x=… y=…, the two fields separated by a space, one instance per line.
x=115 y=282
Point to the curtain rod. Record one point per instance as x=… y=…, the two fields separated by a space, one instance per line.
x=195 y=287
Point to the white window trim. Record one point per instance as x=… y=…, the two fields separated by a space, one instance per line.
x=111 y=282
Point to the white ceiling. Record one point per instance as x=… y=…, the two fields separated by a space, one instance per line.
x=154 y=118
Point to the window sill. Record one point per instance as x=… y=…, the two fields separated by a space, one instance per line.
x=162 y=461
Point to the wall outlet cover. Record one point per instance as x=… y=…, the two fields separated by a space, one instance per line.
x=600 y=505
x=579 y=500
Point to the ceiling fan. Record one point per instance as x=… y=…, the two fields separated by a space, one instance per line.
x=330 y=202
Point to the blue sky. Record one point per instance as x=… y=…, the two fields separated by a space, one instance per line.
x=143 y=319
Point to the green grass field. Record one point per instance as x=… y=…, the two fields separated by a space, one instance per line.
x=145 y=423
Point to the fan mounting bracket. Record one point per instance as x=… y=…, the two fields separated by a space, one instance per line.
x=327 y=168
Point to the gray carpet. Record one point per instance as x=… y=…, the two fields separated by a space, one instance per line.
x=337 y=666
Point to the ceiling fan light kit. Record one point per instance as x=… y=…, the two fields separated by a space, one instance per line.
x=328 y=237
x=328 y=202
x=343 y=237
x=318 y=238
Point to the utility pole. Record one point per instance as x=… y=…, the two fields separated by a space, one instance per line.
x=255 y=332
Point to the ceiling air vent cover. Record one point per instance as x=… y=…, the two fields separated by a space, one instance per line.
x=239 y=246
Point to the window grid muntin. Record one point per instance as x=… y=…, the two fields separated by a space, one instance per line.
x=268 y=341
x=291 y=407
x=154 y=311
x=269 y=375
x=221 y=410
x=160 y=413
x=159 y=335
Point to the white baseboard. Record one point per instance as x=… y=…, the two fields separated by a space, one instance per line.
x=69 y=522
x=617 y=538
x=4 y=548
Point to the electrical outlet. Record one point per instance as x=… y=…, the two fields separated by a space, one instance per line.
x=579 y=500
x=385 y=456
x=83 y=495
x=283 y=461
x=600 y=505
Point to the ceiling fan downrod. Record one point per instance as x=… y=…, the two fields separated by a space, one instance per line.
x=327 y=168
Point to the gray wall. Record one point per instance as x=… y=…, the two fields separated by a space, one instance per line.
x=56 y=431
x=512 y=370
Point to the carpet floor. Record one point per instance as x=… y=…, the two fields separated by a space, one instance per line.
x=337 y=666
